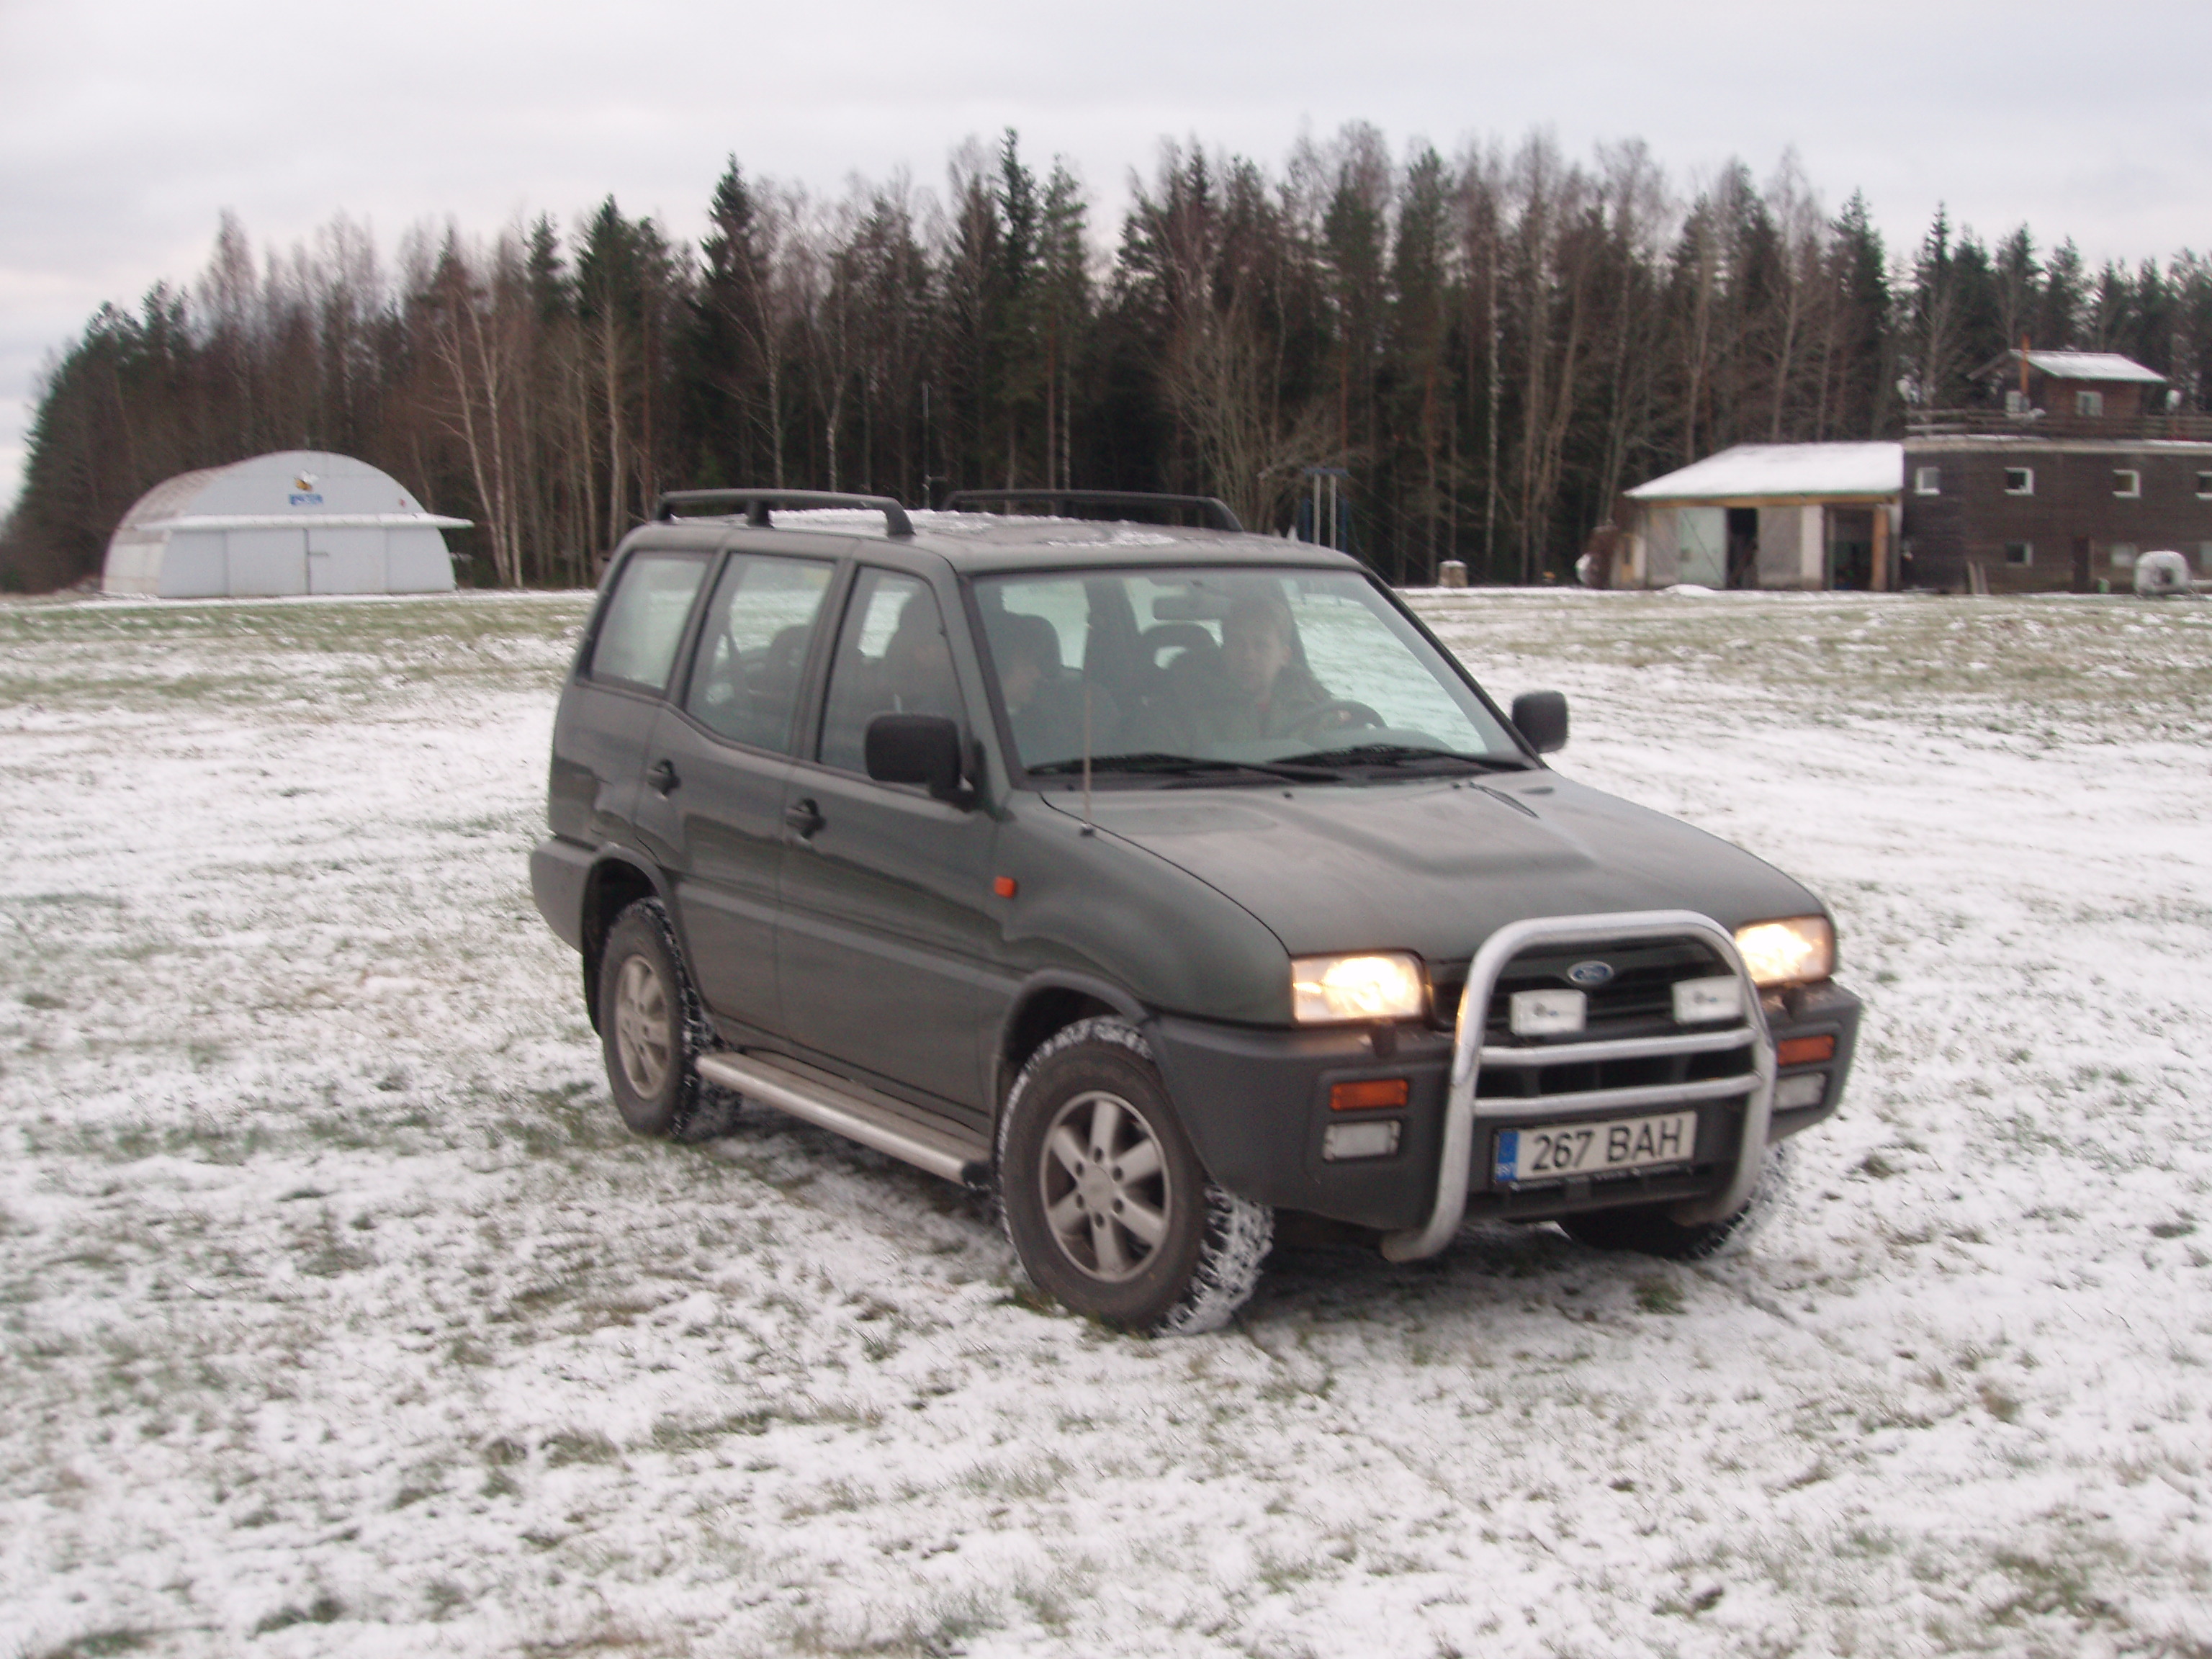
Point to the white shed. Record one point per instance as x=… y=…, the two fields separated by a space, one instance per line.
x=1769 y=515
x=302 y=521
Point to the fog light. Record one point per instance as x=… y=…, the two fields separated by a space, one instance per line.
x=1547 y=1013
x=1341 y=1141
x=1701 y=1002
x=1795 y=1093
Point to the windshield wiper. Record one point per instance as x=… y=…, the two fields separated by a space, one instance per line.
x=1155 y=763
x=1401 y=754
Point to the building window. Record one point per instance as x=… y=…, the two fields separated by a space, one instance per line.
x=2019 y=481
x=2204 y=557
x=1929 y=480
x=2090 y=406
x=2204 y=486
x=2124 y=555
x=2020 y=552
x=2126 y=481
x=2015 y=402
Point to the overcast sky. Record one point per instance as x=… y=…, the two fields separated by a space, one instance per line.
x=126 y=126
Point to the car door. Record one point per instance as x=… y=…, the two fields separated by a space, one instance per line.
x=609 y=711
x=711 y=806
x=886 y=920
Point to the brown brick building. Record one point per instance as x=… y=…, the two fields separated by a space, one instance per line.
x=2060 y=488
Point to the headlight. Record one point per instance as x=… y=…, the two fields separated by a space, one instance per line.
x=1792 y=952
x=1383 y=986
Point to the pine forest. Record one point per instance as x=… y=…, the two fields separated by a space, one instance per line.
x=1492 y=347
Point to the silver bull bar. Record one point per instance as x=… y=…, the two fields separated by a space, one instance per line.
x=1463 y=1110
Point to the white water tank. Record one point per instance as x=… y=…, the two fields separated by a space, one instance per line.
x=2160 y=575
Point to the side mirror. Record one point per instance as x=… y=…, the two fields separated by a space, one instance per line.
x=923 y=749
x=1541 y=717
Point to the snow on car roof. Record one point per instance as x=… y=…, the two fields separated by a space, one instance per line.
x=1782 y=469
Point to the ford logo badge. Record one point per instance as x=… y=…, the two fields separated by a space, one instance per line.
x=1590 y=973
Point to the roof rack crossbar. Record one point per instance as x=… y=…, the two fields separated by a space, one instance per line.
x=1217 y=515
x=757 y=503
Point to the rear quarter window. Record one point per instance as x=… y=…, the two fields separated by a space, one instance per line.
x=645 y=619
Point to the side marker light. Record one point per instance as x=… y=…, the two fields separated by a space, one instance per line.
x=1368 y=1094
x=1805 y=1051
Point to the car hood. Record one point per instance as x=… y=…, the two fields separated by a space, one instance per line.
x=1436 y=867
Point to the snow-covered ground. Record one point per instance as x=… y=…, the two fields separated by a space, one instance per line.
x=339 y=1315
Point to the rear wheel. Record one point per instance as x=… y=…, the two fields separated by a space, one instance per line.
x=1104 y=1199
x=1647 y=1230
x=650 y=1029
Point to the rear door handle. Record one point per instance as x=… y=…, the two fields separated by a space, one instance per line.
x=804 y=816
x=662 y=777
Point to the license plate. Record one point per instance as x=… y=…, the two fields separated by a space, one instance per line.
x=1561 y=1150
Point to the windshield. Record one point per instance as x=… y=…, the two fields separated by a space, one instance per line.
x=1208 y=674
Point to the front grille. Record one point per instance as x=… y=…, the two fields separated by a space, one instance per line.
x=1634 y=1010
x=1638 y=1001
x=1535 y=1081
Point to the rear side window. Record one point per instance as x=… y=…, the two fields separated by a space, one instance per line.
x=645 y=619
x=744 y=683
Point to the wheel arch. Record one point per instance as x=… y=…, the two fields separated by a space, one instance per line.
x=1046 y=1003
x=617 y=881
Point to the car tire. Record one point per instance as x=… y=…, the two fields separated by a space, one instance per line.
x=651 y=1028
x=1647 y=1230
x=1137 y=1238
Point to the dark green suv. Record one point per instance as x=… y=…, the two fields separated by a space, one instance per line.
x=1160 y=879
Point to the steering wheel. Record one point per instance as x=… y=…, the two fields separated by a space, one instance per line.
x=1338 y=715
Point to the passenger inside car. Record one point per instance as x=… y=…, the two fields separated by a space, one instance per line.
x=1045 y=705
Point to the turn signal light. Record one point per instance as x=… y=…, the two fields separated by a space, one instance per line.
x=1366 y=1096
x=1805 y=1051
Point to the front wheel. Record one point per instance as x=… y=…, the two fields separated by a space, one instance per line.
x=1648 y=1230
x=1106 y=1202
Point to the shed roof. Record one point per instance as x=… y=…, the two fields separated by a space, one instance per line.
x=2090 y=365
x=1751 y=472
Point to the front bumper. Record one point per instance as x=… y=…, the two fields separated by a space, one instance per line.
x=1255 y=1104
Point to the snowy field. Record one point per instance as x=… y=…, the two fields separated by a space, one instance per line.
x=339 y=1316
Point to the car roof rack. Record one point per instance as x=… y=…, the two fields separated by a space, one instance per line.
x=757 y=503
x=1054 y=503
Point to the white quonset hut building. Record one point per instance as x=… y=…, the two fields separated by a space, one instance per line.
x=1767 y=515
x=302 y=521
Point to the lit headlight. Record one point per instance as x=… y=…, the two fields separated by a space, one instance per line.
x=1792 y=952
x=1378 y=987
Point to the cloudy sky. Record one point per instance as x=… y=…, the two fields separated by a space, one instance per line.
x=127 y=126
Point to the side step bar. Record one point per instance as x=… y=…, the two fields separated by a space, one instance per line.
x=853 y=1114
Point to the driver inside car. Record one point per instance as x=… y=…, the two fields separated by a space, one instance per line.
x=1257 y=685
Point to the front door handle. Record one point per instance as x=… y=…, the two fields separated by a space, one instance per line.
x=662 y=777
x=804 y=816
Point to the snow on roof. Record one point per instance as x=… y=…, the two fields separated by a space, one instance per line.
x=1771 y=470
x=2091 y=365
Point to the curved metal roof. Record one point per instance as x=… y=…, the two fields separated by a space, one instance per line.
x=290 y=486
